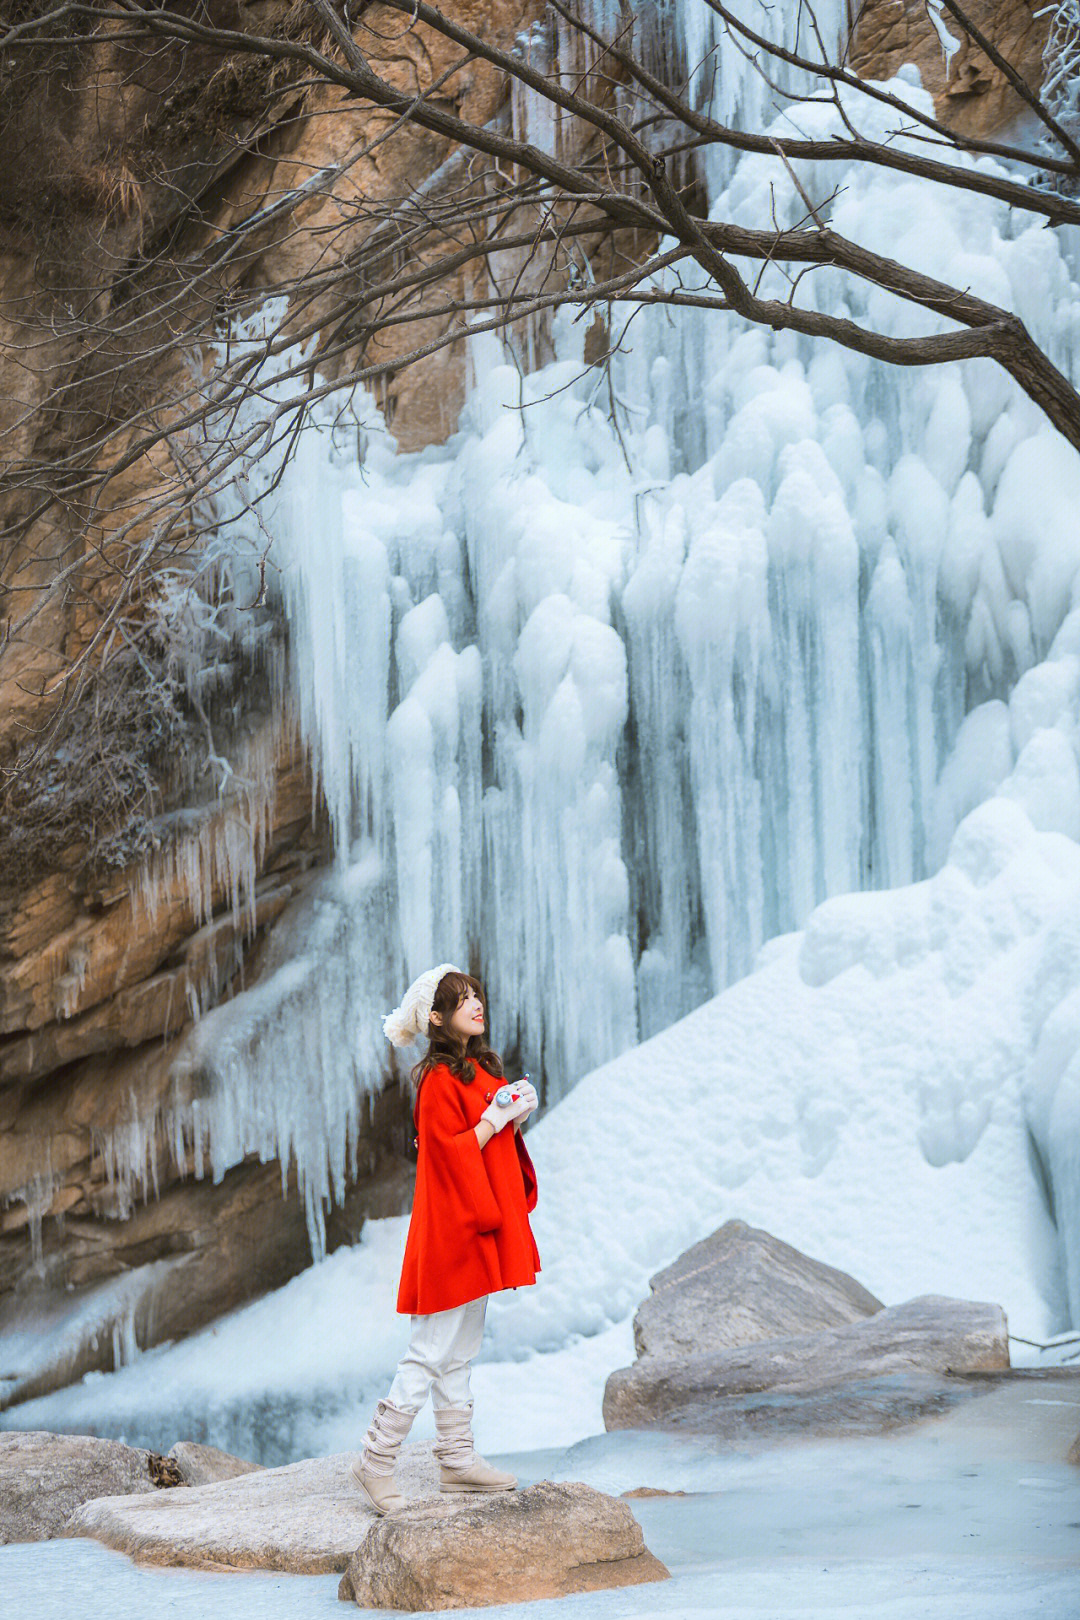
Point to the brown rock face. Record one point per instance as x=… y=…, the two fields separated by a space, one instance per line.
x=97 y=988
x=926 y=1336
x=543 y=1542
x=971 y=95
x=170 y=1265
x=174 y=1265
x=45 y=1477
x=738 y=1286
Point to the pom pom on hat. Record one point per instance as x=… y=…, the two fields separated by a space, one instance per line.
x=409 y=1021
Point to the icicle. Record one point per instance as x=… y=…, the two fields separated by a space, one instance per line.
x=211 y=855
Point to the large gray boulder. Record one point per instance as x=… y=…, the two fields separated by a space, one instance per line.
x=543 y=1542
x=739 y=1286
x=44 y=1478
x=927 y=1338
x=858 y=1408
x=304 y=1519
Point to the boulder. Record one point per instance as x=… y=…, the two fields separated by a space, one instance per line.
x=858 y=1408
x=739 y=1286
x=641 y=1492
x=44 y=1478
x=543 y=1542
x=929 y=1335
x=1073 y=1453
x=304 y=1519
x=206 y=1465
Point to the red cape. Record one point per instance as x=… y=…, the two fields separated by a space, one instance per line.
x=469 y=1234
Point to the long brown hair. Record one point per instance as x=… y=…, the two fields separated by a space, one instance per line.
x=460 y=1057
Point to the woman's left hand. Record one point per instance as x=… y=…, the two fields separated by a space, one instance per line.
x=527 y=1092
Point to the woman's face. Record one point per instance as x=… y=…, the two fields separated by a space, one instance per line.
x=468 y=1018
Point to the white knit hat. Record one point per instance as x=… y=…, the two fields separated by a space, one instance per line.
x=407 y=1022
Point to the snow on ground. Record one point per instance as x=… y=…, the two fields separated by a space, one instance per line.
x=296 y=1373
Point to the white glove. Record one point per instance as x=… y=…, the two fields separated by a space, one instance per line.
x=498 y=1115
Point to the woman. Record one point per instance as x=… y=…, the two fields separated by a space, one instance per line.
x=469 y=1235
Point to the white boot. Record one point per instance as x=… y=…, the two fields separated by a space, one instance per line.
x=460 y=1467
x=374 y=1471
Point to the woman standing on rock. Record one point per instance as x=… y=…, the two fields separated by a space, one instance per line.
x=469 y=1235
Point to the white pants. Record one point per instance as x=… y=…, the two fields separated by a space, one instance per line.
x=437 y=1360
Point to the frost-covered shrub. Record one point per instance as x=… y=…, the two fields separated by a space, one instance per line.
x=151 y=723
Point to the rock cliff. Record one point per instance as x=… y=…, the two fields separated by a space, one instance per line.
x=972 y=93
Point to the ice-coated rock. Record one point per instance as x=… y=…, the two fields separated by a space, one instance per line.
x=740 y=1285
x=543 y=1542
x=928 y=1335
x=45 y=1477
x=206 y=1465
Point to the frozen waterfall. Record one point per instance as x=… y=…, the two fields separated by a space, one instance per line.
x=601 y=705
x=612 y=726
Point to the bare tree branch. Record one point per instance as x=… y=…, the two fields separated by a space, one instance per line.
x=116 y=459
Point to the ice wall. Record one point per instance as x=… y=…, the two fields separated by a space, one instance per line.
x=619 y=706
x=615 y=687
x=685 y=43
